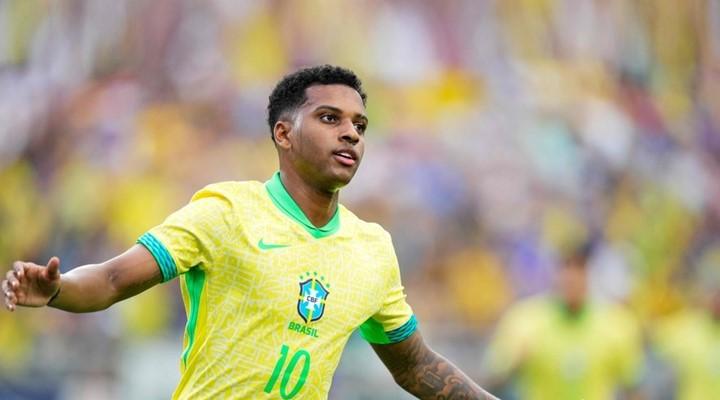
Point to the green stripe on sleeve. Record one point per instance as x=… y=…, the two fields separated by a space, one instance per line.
x=403 y=332
x=160 y=253
x=373 y=332
x=195 y=282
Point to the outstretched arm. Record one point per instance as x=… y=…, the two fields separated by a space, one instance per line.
x=88 y=288
x=426 y=374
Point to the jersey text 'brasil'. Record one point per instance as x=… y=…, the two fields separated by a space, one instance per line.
x=271 y=300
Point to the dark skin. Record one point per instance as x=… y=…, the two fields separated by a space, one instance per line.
x=320 y=147
x=88 y=288
x=426 y=374
x=331 y=121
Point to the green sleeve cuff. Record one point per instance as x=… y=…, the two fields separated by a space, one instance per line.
x=160 y=253
x=373 y=332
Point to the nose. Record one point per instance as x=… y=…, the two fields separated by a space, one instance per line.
x=348 y=133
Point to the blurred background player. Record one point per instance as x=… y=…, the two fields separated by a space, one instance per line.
x=563 y=345
x=688 y=341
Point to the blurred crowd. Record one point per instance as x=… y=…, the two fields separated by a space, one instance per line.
x=500 y=133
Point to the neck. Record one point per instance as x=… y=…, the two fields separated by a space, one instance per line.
x=318 y=206
x=572 y=309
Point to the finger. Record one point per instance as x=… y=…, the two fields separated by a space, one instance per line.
x=12 y=299
x=53 y=268
x=12 y=281
x=6 y=284
x=8 y=303
x=9 y=277
x=8 y=296
x=19 y=269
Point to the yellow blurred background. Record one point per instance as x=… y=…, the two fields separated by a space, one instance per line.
x=499 y=131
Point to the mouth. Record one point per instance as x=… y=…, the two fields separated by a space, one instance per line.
x=346 y=157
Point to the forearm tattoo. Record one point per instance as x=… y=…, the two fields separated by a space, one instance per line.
x=427 y=375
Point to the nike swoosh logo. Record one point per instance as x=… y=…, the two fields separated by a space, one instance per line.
x=269 y=246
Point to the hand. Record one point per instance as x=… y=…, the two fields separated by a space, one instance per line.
x=31 y=285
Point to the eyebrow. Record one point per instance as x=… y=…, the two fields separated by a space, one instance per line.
x=339 y=111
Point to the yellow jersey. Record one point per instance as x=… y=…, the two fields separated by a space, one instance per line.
x=690 y=343
x=271 y=300
x=561 y=356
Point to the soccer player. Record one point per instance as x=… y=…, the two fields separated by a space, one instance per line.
x=275 y=276
x=689 y=341
x=565 y=347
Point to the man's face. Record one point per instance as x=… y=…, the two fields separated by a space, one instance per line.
x=326 y=142
x=572 y=284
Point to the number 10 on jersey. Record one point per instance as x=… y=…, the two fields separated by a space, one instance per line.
x=300 y=354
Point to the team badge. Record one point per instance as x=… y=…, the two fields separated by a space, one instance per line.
x=312 y=297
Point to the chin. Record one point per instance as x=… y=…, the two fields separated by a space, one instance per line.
x=344 y=173
x=340 y=179
x=341 y=182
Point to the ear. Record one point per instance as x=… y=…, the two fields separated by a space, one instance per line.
x=281 y=131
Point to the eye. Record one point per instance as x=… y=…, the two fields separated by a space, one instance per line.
x=329 y=118
x=360 y=127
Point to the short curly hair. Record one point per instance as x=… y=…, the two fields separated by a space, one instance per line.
x=289 y=94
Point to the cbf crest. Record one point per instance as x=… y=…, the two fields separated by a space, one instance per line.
x=313 y=295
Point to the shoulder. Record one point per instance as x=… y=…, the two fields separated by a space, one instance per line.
x=615 y=323
x=227 y=201
x=532 y=308
x=369 y=232
x=679 y=325
x=525 y=319
x=614 y=317
x=230 y=191
x=530 y=315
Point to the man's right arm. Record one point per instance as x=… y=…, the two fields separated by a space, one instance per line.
x=87 y=288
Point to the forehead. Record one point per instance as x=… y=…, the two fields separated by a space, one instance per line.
x=339 y=96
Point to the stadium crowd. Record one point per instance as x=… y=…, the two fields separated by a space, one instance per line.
x=500 y=131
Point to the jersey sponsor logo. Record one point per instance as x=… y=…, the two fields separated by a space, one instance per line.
x=269 y=246
x=312 y=297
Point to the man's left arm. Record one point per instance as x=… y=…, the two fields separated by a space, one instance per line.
x=426 y=374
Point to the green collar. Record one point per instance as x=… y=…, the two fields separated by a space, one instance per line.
x=283 y=201
x=570 y=315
